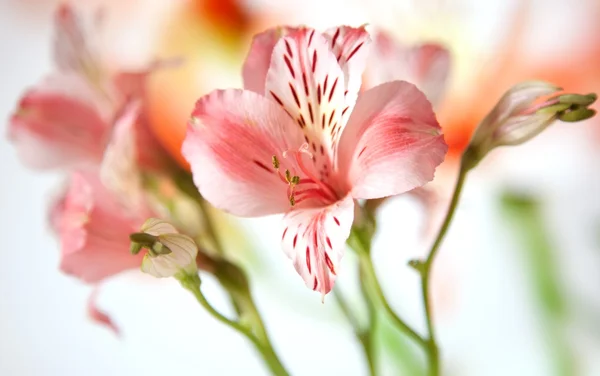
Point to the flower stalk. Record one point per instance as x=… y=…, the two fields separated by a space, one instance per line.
x=260 y=340
x=425 y=267
x=371 y=284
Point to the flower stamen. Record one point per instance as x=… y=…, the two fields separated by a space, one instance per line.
x=322 y=191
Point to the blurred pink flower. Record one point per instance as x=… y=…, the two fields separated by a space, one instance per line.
x=67 y=121
x=425 y=65
x=94 y=227
x=58 y=124
x=298 y=141
x=99 y=210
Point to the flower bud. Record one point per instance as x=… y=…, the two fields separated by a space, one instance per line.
x=516 y=119
x=169 y=252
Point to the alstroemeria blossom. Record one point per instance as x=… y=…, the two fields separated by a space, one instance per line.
x=426 y=65
x=304 y=145
x=94 y=229
x=67 y=121
x=61 y=123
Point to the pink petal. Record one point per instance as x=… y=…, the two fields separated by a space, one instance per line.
x=119 y=170
x=425 y=65
x=231 y=140
x=351 y=48
x=392 y=143
x=99 y=316
x=60 y=128
x=94 y=230
x=132 y=84
x=256 y=66
x=73 y=50
x=431 y=65
x=307 y=81
x=315 y=239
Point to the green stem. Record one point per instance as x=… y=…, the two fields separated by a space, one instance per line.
x=368 y=337
x=192 y=284
x=185 y=183
x=262 y=334
x=425 y=268
x=210 y=226
x=365 y=337
x=370 y=280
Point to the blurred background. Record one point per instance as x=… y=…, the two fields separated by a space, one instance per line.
x=516 y=285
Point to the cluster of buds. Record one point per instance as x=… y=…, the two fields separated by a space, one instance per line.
x=170 y=254
x=517 y=118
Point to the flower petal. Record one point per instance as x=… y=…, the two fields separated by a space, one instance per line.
x=73 y=49
x=119 y=170
x=431 y=65
x=99 y=316
x=183 y=249
x=392 y=143
x=350 y=46
x=426 y=65
x=314 y=239
x=94 y=230
x=155 y=226
x=231 y=140
x=64 y=127
x=307 y=81
x=181 y=259
x=256 y=65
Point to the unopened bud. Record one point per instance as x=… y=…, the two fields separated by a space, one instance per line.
x=169 y=252
x=516 y=119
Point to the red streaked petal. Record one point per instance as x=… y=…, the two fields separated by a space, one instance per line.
x=230 y=142
x=350 y=46
x=306 y=80
x=315 y=242
x=393 y=142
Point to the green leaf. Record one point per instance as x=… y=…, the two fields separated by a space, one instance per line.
x=525 y=219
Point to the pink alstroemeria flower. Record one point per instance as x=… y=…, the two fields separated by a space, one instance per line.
x=299 y=142
x=426 y=65
x=94 y=226
x=67 y=121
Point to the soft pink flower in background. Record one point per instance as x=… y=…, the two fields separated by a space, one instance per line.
x=426 y=65
x=94 y=227
x=304 y=121
x=68 y=120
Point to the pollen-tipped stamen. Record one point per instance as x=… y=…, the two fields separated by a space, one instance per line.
x=322 y=191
